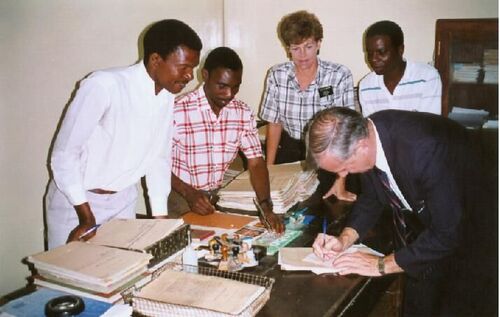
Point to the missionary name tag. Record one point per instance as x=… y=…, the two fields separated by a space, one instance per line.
x=325 y=91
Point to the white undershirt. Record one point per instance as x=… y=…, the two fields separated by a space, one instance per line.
x=381 y=163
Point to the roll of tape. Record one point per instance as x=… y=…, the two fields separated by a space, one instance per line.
x=68 y=305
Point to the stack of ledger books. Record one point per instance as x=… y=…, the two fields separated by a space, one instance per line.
x=89 y=268
x=290 y=184
x=106 y=266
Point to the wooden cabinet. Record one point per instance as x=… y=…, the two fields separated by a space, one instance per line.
x=467 y=60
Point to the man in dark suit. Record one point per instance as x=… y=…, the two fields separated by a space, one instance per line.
x=427 y=169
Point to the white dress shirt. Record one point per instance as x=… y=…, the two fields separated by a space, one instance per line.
x=382 y=164
x=115 y=131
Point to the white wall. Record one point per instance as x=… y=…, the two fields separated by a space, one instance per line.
x=252 y=31
x=47 y=46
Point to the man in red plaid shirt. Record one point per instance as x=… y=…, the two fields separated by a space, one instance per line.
x=210 y=128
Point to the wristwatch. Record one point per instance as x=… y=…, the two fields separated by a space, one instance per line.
x=381 y=265
x=266 y=201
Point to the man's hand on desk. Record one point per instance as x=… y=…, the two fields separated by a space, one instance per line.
x=275 y=221
x=357 y=263
x=365 y=264
x=199 y=203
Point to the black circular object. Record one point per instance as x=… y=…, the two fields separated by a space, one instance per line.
x=68 y=305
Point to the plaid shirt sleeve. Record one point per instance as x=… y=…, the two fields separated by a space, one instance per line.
x=347 y=90
x=269 y=108
x=250 y=143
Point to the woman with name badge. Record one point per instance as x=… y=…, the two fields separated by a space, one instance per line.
x=298 y=89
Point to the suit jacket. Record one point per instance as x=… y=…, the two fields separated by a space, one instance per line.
x=434 y=163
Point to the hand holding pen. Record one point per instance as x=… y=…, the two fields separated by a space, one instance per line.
x=87 y=233
x=82 y=233
x=325 y=246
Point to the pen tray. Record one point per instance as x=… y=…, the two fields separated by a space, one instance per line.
x=148 y=307
x=169 y=245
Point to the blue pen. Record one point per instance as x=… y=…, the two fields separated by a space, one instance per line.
x=89 y=231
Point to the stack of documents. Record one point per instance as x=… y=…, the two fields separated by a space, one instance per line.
x=490 y=62
x=135 y=234
x=89 y=266
x=289 y=183
x=178 y=293
x=470 y=118
x=466 y=73
x=114 y=260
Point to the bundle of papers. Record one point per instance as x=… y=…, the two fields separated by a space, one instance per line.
x=303 y=259
x=88 y=266
x=178 y=293
x=466 y=73
x=135 y=234
x=490 y=74
x=289 y=183
x=470 y=118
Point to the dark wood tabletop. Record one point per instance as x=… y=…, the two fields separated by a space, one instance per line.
x=303 y=293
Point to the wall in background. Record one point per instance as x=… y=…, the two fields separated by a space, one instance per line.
x=48 y=46
x=252 y=31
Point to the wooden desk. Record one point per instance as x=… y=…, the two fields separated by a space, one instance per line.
x=297 y=293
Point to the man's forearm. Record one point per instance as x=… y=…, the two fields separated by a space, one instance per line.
x=85 y=215
x=181 y=187
x=273 y=135
x=348 y=237
x=259 y=178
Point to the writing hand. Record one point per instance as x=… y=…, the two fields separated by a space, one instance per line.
x=327 y=247
x=81 y=231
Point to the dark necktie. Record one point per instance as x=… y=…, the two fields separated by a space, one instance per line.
x=396 y=206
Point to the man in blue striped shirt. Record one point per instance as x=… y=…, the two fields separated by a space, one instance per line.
x=396 y=83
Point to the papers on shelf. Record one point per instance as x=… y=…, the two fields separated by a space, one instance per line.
x=134 y=234
x=490 y=61
x=470 y=118
x=491 y=124
x=289 y=184
x=89 y=266
x=466 y=73
x=187 y=290
x=303 y=259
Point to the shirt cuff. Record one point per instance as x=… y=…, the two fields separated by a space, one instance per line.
x=76 y=195
x=158 y=206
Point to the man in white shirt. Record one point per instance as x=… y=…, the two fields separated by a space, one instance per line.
x=396 y=83
x=117 y=129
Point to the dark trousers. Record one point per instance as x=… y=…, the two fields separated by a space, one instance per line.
x=423 y=295
x=290 y=149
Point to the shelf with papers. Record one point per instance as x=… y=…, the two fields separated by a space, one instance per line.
x=466 y=56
